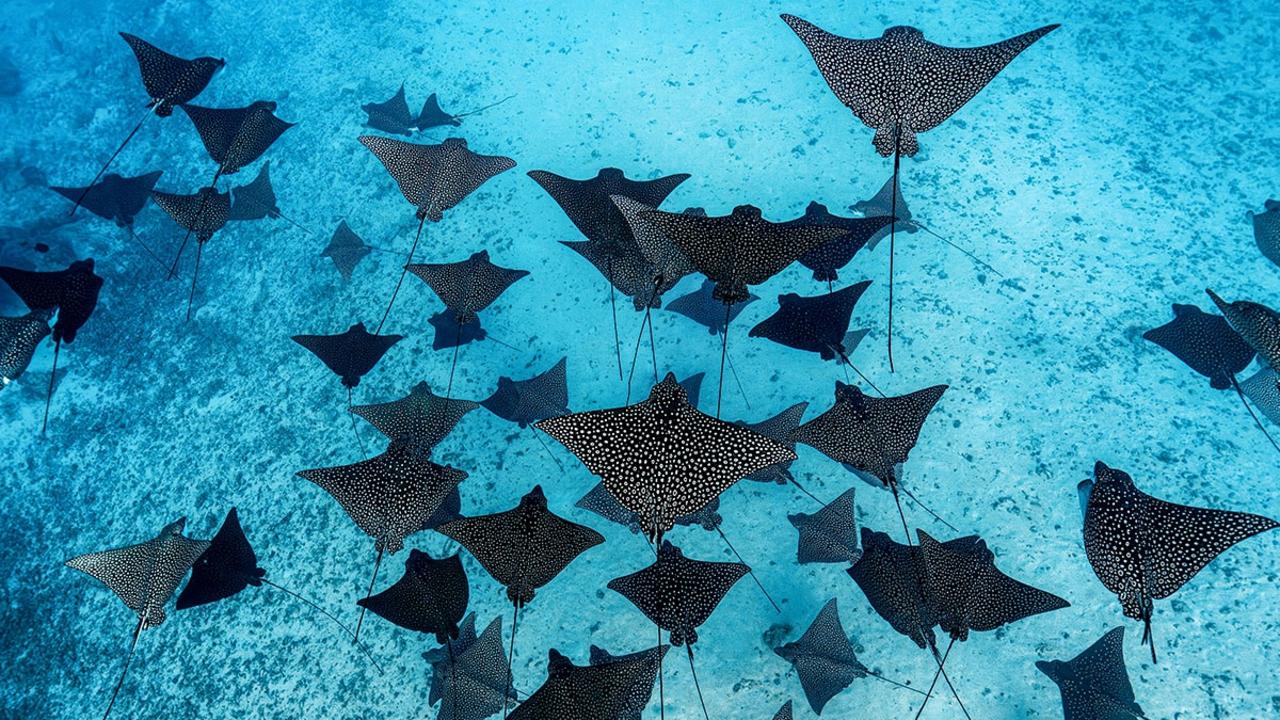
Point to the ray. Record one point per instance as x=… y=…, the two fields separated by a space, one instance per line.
x=19 y=338
x=433 y=178
x=700 y=307
x=817 y=324
x=431 y=597
x=1144 y=549
x=608 y=688
x=779 y=428
x=420 y=420
x=391 y=116
x=449 y=333
x=1266 y=230
x=784 y=712
x=115 y=198
x=144 y=576
x=169 y=81
x=351 y=354
x=433 y=116
x=346 y=250
x=469 y=674
x=256 y=200
x=900 y=85
x=202 y=214
x=829 y=535
x=1095 y=684
x=827 y=259
x=526 y=402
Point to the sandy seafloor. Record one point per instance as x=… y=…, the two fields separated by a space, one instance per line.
x=1106 y=173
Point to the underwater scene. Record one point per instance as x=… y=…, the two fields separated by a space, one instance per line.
x=603 y=361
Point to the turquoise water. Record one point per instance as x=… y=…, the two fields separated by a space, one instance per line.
x=1106 y=173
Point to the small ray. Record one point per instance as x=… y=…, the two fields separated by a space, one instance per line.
x=891 y=576
x=433 y=116
x=451 y=333
x=526 y=402
x=700 y=307
x=813 y=324
x=19 y=337
x=1095 y=684
x=390 y=116
x=115 y=198
x=202 y=214
x=829 y=535
x=419 y=420
x=468 y=675
x=346 y=250
x=640 y=670
x=602 y=690
x=827 y=259
x=350 y=355
x=431 y=597
x=1266 y=230
x=257 y=200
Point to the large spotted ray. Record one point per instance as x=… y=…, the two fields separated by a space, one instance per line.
x=639 y=670
x=1258 y=324
x=431 y=597
x=1207 y=344
x=72 y=292
x=470 y=673
x=169 y=81
x=1266 y=230
x=229 y=566
x=901 y=84
x=824 y=659
x=466 y=287
x=779 y=428
x=1143 y=549
x=662 y=458
x=826 y=260
x=389 y=497
x=871 y=435
x=523 y=548
x=433 y=178
x=203 y=213
x=678 y=594
x=829 y=535
x=257 y=200
x=738 y=250
x=346 y=249
x=144 y=577
x=350 y=355
x=420 y=419
x=816 y=324
x=19 y=338
x=1095 y=684
x=604 y=690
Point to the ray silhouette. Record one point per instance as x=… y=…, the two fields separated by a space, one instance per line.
x=115 y=198
x=872 y=435
x=346 y=250
x=257 y=200
x=608 y=688
x=433 y=116
x=419 y=420
x=525 y=402
x=144 y=576
x=825 y=661
x=784 y=712
x=648 y=454
x=829 y=535
x=1266 y=230
x=816 y=324
x=389 y=497
x=736 y=251
x=779 y=428
x=1207 y=344
x=523 y=548
x=169 y=81
x=700 y=307
x=202 y=213
x=229 y=566
x=390 y=116
x=827 y=259
x=469 y=673
x=350 y=355
x=1095 y=684
x=431 y=597
x=448 y=332
x=72 y=292
x=19 y=338
x=1143 y=549
x=901 y=84
x=1257 y=324
x=466 y=287
x=433 y=178
x=678 y=594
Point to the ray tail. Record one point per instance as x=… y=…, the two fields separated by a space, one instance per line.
x=127 y=139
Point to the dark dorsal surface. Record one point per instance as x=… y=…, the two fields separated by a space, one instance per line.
x=226 y=567
x=170 y=80
x=345 y=249
x=868 y=433
x=693 y=387
x=235 y=137
x=738 y=249
x=450 y=333
x=73 y=292
x=1095 y=684
x=203 y=213
x=823 y=658
x=813 y=324
x=881 y=205
x=970 y=593
x=662 y=458
x=601 y=502
x=389 y=496
x=391 y=115
x=420 y=419
x=624 y=267
x=826 y=260
x=1266 y=230
x=431 y=597
x=634 y=674
x=114 y=197
x=144 y=576
x=256 y=200
x=703 y=308
x=901 y=83
x=778 y=428
x=525 y=547
x=1144 y=549
x=435 y=178
x=468 y=286
x=433 y=116
x=890 y=575
x=1258 y=324
x=669 y=262
x=588 y=205
x=1205 y=342
x=525 y=402
x=19 y=338
x=784 y=712
x=602 y=691
x=472 y=683
x=829 y=535
x=350 y=355
x=677 y=593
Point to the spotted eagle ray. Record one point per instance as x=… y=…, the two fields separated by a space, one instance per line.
x=19 y=338
x=1143 y=549
x=115 y=198
x=816 y=324
x=420 y=419
x=637 y=672
x=1207 y=344
x=825 y=660
x=1266 y=230
x=525 y=402
x=779 y=428
x=257 y=200
x=346 y=249
x=678 y=594
x=389 y=497
x=433 y=178
x=202 y=213
x=901 y=84
x=350 y=355
x=607 y=688
x=1095 y=684
x=431 y=597
x=829 y=535
x=827 y=259
x=390 y=116
x=433 y=116
x=72 y=292
x=523 y=548
x=470 y=673
x=144 y=577
x=170 y=81
x=1258 y=324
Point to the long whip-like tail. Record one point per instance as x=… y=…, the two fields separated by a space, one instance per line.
x=750 y=572
x=403 y=271
x=204 y=199
x=924 y=507
x=142 y=622
x=975 y=258
x=376 y=564
x=878 y=676
x=511 y=658
x=195 y=275
x=635 y=352
x=897 y=499
x=53 y=376
x=1253 y=415
x=893 y=213
x=693 y=671
x=84 y=193
x=942 y=672
x=453 y=366
x=613 y=308
x=341 y=625
x=541 y=442
x=724 y=351
x=354 y=429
